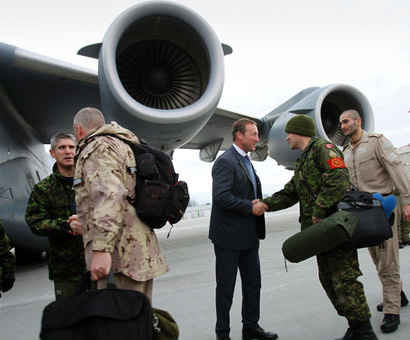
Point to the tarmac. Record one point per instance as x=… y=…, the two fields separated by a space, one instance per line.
x=293 y=303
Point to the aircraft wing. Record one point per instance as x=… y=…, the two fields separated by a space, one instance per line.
x=218 y=127
x=46 y=92
x=216 y=135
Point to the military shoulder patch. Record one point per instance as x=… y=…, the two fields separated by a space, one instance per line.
x=329 y=146
x=332 y=154
x=335 y=163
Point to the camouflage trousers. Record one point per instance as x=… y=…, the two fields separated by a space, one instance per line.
x=338 y=273
x=402 y=226
x=404 y=231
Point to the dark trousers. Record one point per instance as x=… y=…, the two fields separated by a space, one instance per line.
x=227 y=264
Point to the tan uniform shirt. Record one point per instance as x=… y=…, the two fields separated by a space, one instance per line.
x=375 y=166
x=102 y=183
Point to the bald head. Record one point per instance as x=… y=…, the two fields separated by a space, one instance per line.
x=351 y=113
x=86 y=120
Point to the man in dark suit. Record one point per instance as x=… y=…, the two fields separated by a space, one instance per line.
x=237 y=224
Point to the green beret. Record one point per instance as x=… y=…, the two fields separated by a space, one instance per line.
x=301 y=125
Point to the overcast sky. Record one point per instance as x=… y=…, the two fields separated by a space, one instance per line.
x=280 y=48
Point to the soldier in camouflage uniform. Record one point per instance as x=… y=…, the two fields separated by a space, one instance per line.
x=7 y=262
x=115 y=239
x=404 y=232
x=402 y=225
x=319 y=182
x=51 y=212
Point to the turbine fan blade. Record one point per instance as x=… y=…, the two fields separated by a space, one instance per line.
x=160 y=75
x=330 y=114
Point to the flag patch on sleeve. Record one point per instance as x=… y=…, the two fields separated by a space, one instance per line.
x=335 y=163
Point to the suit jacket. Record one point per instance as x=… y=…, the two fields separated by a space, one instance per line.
x=232 y=225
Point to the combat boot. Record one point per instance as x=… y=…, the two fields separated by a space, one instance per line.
x=359 y=331
x=390 y=323
x=351 y=331
x=365 y=331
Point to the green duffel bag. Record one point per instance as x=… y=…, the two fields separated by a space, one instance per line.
x=333 y=231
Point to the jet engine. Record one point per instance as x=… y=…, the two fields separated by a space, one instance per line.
x=161 y=71
x=324 y=105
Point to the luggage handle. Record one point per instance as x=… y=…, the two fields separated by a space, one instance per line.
x=359 y=202
x=110 y=281
x=361 y=205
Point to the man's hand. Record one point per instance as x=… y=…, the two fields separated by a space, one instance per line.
x=100 y=265
x=316 y=220
x=75 y=225
x=406 y=212
x=259 y=207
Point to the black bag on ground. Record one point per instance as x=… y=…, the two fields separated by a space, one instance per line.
x=104 y=314
x=373 y=227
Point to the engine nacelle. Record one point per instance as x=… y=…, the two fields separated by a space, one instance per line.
x=161 y=70
x=324 y=105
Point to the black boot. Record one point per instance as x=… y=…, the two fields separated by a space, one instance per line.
x=351 y=331
x=365 y=331
x=404 y=302
x=390 y=323
x=359 y=331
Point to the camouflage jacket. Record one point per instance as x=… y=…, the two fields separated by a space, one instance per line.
x=7 y=263
x=102 y=183
x=50 y=205
x=320 y=180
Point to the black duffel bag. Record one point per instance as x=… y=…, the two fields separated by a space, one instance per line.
x=106 y=314
x=99 y=315
x=373 y=227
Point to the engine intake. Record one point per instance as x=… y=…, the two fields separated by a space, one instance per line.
x=161 y=71
x=324 y=105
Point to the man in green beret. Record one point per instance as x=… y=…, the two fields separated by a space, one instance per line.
x=319 y=182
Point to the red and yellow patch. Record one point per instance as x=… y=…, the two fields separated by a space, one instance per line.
x=335 y=163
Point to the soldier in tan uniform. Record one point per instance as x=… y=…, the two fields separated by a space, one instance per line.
x=114 y=236
x=375 y=166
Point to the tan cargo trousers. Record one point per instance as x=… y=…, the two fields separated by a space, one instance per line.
x=386 y=259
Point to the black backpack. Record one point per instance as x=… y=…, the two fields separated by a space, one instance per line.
x=159 y=196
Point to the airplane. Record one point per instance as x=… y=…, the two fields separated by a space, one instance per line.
x=160 y=74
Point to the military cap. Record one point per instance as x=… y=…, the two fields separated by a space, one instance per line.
x=301 y=125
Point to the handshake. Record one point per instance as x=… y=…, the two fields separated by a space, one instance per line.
x=259 y=207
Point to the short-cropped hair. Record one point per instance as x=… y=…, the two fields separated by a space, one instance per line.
x=60 y=135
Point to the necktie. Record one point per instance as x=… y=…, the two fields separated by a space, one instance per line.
x=251 y=173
